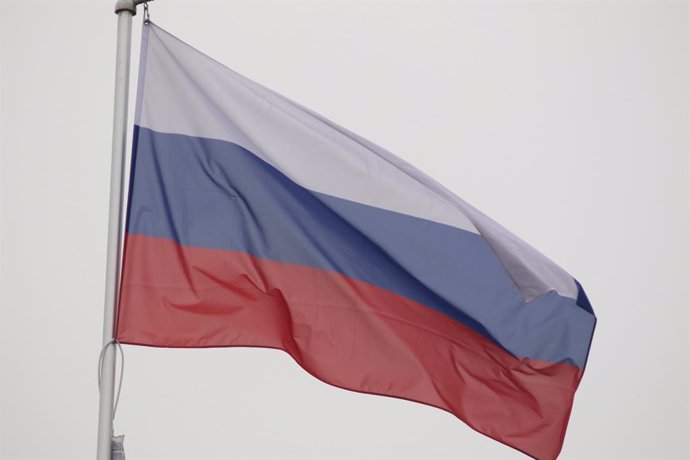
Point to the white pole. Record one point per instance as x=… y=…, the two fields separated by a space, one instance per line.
x=124 y=9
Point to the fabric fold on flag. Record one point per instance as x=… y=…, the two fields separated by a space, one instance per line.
x=253 y=221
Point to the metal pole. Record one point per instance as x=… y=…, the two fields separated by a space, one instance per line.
x=124 y=9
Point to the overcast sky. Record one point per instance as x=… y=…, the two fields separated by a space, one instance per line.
x=566 y=121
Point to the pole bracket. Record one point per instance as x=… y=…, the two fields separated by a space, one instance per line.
x=128 y=5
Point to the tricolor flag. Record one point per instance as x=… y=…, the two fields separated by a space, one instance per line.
x=253 y=221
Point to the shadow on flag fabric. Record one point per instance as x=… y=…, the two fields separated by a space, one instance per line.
x=253 y=221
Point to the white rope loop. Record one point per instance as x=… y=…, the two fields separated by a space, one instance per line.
x=122 y=370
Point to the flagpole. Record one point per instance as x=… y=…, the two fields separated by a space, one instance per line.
x=124 y=9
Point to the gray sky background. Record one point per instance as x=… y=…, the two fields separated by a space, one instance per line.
x=566 y=121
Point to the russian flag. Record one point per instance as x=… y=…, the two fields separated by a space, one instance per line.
x=253 y=221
